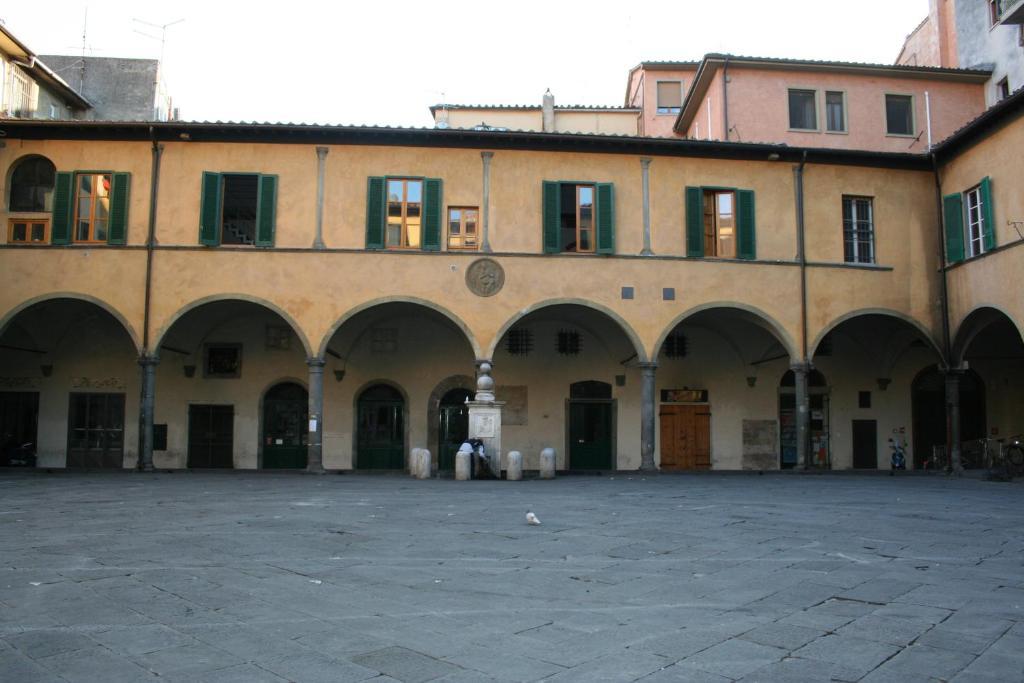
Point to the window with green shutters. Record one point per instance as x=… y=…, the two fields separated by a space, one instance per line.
x=720 y=222
x=578 y=217
x=237 y=209
x=90 y=207
x=970 y=222
x=404 y=213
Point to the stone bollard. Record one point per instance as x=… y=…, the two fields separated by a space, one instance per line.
x=414 y=462
x=515 y=466
x=547 y=463
x=463 y=462
x=423 y=467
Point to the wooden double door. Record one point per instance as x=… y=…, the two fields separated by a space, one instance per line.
x=685 y=437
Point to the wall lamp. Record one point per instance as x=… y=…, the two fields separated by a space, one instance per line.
x=883 y=383
x=339 y=375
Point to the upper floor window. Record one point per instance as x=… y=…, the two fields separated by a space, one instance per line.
x=32 y=185
x=237 y=209
x=1003 y=88
x=21 y=95
x=899 y=114
x=970 y=222
x=462 y=227
x=578 y=217
x=670 y=97
x=90 y=207
x=720 y=223
x=835 y=111
x=858 y=230
x=403 y=213
x=803 y=110
x=993 y=12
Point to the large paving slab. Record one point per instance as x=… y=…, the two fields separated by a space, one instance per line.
x=289 y=577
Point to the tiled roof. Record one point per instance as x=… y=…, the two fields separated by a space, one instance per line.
x=524 y=107
x=848 y=65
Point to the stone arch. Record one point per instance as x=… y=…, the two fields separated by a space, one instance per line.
x=757 y=317
x=973 y=324
x=161 y=333
x=913 y=322
x=627 y=329
x=365 y=306
x=99 y=303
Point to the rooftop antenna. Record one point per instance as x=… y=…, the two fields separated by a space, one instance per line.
x=81 y=71
x=163 y=43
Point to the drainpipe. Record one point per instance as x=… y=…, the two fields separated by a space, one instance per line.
x=725 y=97
x=149 y=359
x=802 y=368
x=952 y=383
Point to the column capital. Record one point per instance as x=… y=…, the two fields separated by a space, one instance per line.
x=321 y=152
x=646 y=161
x=486 y=156
x=802 y=366
x=148 y=359
x=316 y=364
x=647 y=365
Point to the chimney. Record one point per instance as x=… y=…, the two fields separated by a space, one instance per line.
x=548 y=111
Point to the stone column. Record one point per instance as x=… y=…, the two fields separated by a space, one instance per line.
x=648 y=401
x=147 y=402
x=953 y=418
x=645 y=169
x=485 y=244
x=321 y=159
x=314 y=444
x=803 y=416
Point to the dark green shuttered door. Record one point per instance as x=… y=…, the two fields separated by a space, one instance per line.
x=118 y=226
x=432 y=207
x=266 y=209
x=694 y=221
x=988 y=212
x=953 y=208
x=746 y=245
x=551 y=210
x=209 y=211
x=60 y=232
x=605 y=218
x=376 y=203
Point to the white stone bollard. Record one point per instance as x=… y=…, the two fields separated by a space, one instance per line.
x=515 y=466
x=547 y=463
x=424 y=466
x=414 y=462
x=463 y=462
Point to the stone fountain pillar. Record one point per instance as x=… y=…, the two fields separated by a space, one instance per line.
x=485 y=418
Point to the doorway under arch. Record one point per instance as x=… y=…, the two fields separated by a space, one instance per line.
x=380 y=429
x=591 y=428
x=453 y=426
x=285 y=431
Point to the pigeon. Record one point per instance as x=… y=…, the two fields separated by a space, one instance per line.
x=531 y=519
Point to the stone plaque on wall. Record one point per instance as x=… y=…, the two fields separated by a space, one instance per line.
x=483 y=426
x=515 y=398
x=19 y=383
x=760 y=445
x=97 y=383
x=485 y=277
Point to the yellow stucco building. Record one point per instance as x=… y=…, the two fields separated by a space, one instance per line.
x=259 y=296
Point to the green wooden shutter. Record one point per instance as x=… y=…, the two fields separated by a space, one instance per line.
x=605 y=218
x=266 y=210
x=209 y=210
x=953 y=208
x=988 y=213
x=551 y=215
x=118 y=226
x=63 y=192
x=376 y=202
x=432 y=206
x=694 y=221
x=746 y=240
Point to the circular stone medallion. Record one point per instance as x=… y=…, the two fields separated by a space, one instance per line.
x=485 y=277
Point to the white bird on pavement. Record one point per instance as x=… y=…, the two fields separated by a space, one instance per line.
x=531 y=519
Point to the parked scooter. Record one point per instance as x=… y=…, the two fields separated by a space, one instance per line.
x=898 y=459
x=18 y=455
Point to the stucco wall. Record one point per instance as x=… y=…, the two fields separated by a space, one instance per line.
x=980 y=45
x=655 y=124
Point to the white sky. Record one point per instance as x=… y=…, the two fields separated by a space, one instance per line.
x=386 y=63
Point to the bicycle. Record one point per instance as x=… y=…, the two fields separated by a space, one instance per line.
x=1012 y=456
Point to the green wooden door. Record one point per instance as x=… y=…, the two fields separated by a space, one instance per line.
x=453 y=429
x=285 y=426
x=590 y=435
x=380 y=437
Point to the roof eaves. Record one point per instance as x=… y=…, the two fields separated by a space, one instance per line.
x=966 y=135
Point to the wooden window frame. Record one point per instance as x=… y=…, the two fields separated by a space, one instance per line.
x=13 y=220
x=670 y=111
x=846 y=123
x=855 y=232
x=913 y=114
x=404 y=239
x=462 y=226
x=970 y=250
x=92 y=208
x=715 y=192
x=593 y=218
x=789 y=112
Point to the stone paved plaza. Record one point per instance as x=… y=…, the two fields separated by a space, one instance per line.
x=270 y=577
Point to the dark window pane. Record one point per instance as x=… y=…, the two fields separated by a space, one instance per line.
x=239 y=212
x=32 y=185
x=835 y=120
x=899 y=114
x=801 y=110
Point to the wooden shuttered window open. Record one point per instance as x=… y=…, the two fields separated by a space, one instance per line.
x=988 y=213
x=62 y=229
x=432 y=209
x=603 y=218
x=551 y=212
x=376 y=211
x=694 y=222
x=746 y=238
x=430 y=216
x=953 y=211
x=742 y=205
x=262 y=221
